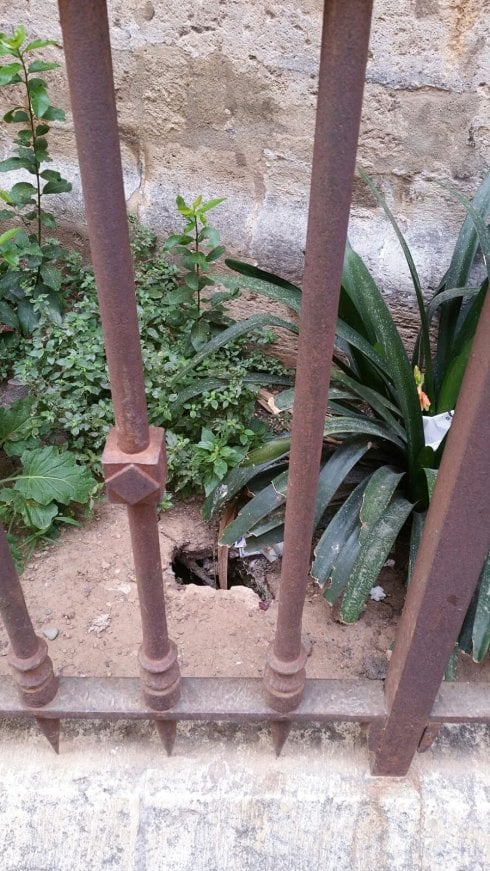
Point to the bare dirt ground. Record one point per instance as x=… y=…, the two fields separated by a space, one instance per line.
x=82 y=597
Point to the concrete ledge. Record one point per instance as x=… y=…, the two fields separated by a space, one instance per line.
x=223 y=802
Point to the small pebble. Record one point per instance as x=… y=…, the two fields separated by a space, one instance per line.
x=51 y=632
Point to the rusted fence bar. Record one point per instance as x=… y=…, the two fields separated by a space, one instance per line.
x=455 y=541
x=134 y=457
x=343 y=60
x=28 y=657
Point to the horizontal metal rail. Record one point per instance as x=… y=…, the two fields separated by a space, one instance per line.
x=241 y=699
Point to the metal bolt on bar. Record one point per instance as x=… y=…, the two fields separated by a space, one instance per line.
x=343 y=61
x=27 y=656
x=455 y=541
x=134 y=456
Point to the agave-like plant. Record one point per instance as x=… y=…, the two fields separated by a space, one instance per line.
x=378 y=473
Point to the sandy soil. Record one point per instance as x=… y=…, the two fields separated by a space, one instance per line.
x=82 y=590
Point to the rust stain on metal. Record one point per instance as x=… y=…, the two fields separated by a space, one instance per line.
x=89 y=66
x=27 y=655
x=455 y=541
x=134 y=457
x=342 y=70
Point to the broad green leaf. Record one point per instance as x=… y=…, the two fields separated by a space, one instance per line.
x=381 y=406
x=199 y=334
x=38 y=516
x=452 y=380
x=14 y=420
x=425 y=338
x=51 y=475
x=477 y=214
x=358 y=282
x=215 y=253
x=418 y=520
x=52 y=113
x=335 y=470
x=342 y=525
x=274 y=536
x=7 y=315
x=239 y=328
x=42 y=66
x=342 y=568
x=268 y=452
x=22 y=193
x=38 y=95
x=235 y=481
x=57 y=187
x=347 y=334
x=14 y=163
x=371 y=557
x=209 y=233
x=446 y=296
x=28 y=319
x=9 y=73
x=361 y=426
x=8 y=235
x=16 y=116
x=458 y=274
x=378 y=494
x=265 y=283
x=260 y=506
x=38 y=43
x=481 y=625
x=273 y=521
x=192 y=281
x=211 y=204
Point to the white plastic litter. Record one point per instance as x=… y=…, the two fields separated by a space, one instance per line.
x=435 y=428
x=377 y=594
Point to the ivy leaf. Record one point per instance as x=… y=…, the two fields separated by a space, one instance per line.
x=49 y=474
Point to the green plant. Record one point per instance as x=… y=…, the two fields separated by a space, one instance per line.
x=35 y=480
x=197 y=248
x=30 y=273
x=378 y=475
x=214 y=388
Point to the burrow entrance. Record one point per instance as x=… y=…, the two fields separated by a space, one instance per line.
x=201 y=567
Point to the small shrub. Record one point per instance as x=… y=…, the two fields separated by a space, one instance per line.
x=65 y=371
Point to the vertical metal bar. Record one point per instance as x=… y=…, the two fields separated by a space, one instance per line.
x=28 y=654
x=343 y=61
x=134 y=460
x=89 y=65
x=455 y=541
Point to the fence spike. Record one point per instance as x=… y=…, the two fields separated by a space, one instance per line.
x=167 y=730
x=51 y=730
x=280 y=730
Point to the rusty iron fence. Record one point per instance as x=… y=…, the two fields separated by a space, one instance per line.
x=404 y=714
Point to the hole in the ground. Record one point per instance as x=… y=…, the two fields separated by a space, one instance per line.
x=201 y=567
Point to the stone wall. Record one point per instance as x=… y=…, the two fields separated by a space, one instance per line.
x=219 y=97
